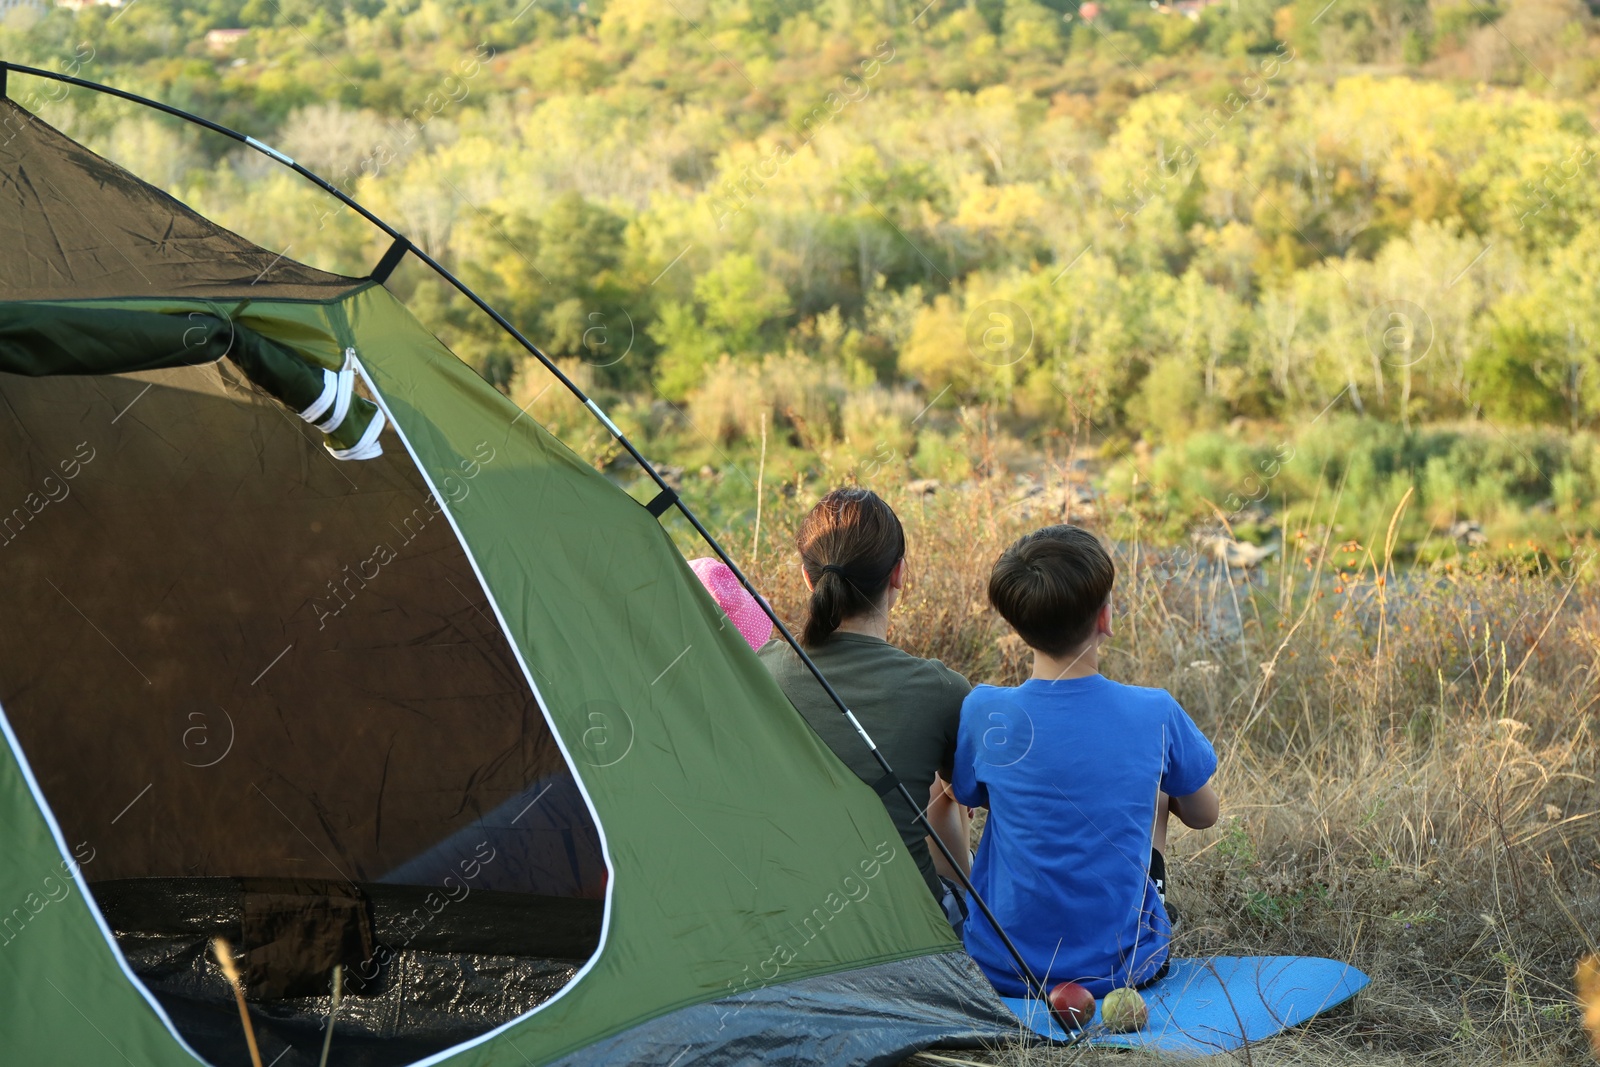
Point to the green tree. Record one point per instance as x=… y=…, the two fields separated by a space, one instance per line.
x=1517 y=375
x=740 y=299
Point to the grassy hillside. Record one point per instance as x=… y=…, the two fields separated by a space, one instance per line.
x=1409 y=771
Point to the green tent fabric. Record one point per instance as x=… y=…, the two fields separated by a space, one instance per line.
x=486 y=645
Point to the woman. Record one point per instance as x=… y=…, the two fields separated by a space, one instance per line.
x=853 y=558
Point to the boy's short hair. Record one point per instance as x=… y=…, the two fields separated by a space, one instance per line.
x=1050 y=585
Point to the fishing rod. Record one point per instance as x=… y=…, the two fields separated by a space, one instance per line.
x=667 y=497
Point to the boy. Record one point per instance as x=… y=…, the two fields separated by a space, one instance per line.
x=1078 y=773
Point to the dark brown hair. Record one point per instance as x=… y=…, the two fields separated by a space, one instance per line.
x=849 y=546
x=1050 y=585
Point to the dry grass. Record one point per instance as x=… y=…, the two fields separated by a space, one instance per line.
x=1408 y=768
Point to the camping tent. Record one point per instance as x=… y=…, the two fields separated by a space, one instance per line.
x=315 y=642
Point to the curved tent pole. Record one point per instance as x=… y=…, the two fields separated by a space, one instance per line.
x=667 y=498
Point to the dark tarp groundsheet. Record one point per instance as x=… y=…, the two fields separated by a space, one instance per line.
x=870 y=1017
x=74 y=226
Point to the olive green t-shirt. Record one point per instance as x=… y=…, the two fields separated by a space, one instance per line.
x=911 y=707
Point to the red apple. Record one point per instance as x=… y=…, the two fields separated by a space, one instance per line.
x=1072 y=1005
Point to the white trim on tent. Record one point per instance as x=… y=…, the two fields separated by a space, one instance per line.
x=341 y=401
x=319 y=407
x=367 y=447
x=505 y=629
x=605 y=850
x=83 y=885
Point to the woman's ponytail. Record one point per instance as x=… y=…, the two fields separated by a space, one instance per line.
x=849 y=546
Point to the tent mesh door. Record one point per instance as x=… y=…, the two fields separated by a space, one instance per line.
x=266 y=697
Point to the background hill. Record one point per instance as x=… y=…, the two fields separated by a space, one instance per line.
x=1185 y=241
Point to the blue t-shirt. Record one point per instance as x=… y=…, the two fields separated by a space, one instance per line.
x=1069 y=771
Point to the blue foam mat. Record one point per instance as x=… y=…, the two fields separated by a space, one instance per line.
x=1206 y=1006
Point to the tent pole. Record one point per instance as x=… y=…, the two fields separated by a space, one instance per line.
x=1026 y=973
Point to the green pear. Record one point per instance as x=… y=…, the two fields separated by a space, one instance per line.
x=1123 y=1011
